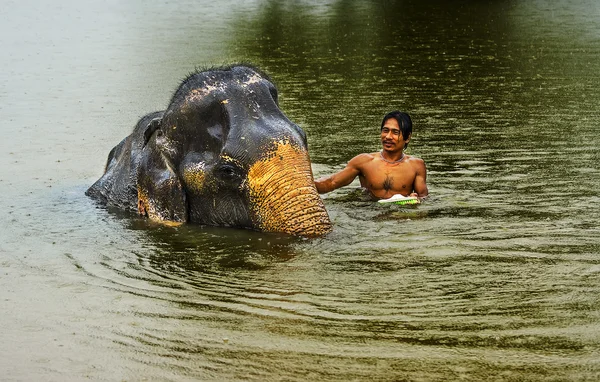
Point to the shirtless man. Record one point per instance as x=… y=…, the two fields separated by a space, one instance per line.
x=387 y=172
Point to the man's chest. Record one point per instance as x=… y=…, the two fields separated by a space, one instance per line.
x=397 y=178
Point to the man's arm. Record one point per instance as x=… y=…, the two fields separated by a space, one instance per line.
x=342 y=178
x=420 y=184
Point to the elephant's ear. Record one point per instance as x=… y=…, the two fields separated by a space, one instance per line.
x=161 y=195
x=152 y=126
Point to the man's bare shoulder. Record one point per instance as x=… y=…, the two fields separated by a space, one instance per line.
x=415 y=160
x=361 y=159
x=417 y=164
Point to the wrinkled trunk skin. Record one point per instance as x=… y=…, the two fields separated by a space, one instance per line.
x=283 y=197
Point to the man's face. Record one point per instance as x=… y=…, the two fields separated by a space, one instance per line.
x=391 y=136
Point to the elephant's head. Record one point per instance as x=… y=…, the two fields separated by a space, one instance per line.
x=223 y=153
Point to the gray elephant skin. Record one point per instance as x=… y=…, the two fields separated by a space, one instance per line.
x=221 y=154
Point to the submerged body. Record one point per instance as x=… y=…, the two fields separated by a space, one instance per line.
x=222 y=154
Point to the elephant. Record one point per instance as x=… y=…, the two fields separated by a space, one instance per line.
x=222 y=154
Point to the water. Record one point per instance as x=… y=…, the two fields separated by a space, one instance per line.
x=496 y=277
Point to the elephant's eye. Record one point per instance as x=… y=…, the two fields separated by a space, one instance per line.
x=228 y=172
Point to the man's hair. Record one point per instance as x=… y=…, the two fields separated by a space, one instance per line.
x=404 y=122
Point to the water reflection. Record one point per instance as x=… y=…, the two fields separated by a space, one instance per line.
x=202 y=248
x=369 y=58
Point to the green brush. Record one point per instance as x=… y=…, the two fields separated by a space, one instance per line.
x=400 y=200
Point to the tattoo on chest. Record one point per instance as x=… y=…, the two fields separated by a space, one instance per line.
x=388 y=183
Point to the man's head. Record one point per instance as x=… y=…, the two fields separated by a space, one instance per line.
x=404 y=126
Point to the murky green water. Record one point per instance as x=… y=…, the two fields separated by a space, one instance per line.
x=496 y=277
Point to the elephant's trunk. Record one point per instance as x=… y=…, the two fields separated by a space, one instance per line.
x=283 y=197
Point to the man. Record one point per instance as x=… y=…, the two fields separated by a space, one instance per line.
x=387 y=172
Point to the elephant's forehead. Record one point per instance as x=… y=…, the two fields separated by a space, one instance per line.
x=221 y=86
x=201 y=92
x=255 y=78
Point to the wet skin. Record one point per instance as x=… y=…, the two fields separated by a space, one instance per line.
x=222 y=154
x=384 y=173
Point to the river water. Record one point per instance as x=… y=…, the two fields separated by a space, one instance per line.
x=495 y=277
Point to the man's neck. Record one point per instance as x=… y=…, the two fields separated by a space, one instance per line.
x=391 y=158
